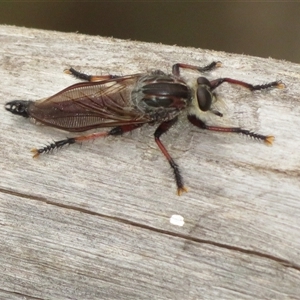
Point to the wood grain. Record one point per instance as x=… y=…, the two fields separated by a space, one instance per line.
x=93 y=221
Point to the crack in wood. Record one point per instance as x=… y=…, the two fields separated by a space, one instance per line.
x=22 y=295
x=281 y=261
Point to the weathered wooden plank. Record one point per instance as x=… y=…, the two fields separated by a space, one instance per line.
x=92 y=222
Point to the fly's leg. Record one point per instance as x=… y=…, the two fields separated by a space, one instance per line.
x=68 y=141
x=211 y=66
x=211 y=85
x=277 y=84
x=268 y=139
x=90 y=78
x=119 y=130
x=162 y=128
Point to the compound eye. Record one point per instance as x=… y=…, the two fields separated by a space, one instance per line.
x=203 y=81
x=204 y=98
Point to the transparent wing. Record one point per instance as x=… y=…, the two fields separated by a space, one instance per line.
x=89 y=105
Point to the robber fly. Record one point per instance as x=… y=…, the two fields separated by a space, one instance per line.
x=128 y=102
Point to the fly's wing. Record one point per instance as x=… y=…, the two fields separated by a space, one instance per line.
x=88 y=105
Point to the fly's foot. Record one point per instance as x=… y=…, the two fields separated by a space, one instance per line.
x=269 y=140
x=181 y=190
x=55 y=145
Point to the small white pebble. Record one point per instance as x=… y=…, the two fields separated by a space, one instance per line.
x=177 y=220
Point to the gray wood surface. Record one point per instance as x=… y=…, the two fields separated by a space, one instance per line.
x=93 y=221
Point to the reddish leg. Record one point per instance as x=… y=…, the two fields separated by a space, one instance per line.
x=215 y=83
x=91 y=78
x=268 y=139
x=176 y=67
x=68 y=141
x=162 y=128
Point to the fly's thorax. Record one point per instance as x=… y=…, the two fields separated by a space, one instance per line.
x=161 y=96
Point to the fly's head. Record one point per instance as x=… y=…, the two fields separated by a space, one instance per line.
x=203 y=99
x=18 y=107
